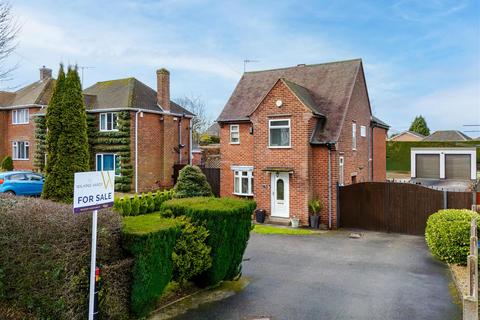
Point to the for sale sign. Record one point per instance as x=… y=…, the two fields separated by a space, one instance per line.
x=93 y=190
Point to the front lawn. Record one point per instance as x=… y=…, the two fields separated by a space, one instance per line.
x=263 y=229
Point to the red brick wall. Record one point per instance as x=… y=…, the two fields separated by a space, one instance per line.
x=234 y=154
x=356 y=162
x=3 y=134
x=379 y=154
x=20 y=132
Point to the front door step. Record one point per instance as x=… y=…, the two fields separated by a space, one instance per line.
x=278 y=221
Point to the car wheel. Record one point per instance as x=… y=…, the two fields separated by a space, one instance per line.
x=10 y=192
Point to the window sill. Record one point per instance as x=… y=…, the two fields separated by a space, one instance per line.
x=243 y=194
x=234 y=142
x=20 y=159
x=116 y=130
x=280 y=147
x=19 y=124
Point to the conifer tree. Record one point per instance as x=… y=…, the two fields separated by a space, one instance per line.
x=419 y=125
x=71 y=149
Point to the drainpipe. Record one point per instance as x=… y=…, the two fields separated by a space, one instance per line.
x=179 y=140
x=329 y=186
x=136 y=150
x=190 y=142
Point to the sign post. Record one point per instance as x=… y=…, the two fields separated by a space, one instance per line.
x=93 y=191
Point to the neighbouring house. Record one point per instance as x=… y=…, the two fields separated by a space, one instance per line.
x=407 y=136
x=447 y=135
x=214 y=130
x=291 y=135
x=134 y=130
x=443 y=163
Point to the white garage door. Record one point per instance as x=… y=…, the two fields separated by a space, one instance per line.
x=427 y=166
x=457 y=166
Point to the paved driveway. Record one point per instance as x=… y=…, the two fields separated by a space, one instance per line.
x=380 y=276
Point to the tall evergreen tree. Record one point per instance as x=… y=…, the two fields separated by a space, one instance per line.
x=419 y=125
x=71 y=154
x=53 y=122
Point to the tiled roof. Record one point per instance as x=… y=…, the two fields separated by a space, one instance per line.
x=127 y=93
x=38 y=92
x=447 y=135
x=380 y=123
x=325 y=88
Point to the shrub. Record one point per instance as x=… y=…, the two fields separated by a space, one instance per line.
x=132 y=206
x=45 y=259
x=150 y=239
x=7 y=164
x=448 y=234
x=191 y=254
x=135 y=205
x=228 y=222
x=192 y=183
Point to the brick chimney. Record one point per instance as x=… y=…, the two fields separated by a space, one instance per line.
x=45 y=73
x=163 y=88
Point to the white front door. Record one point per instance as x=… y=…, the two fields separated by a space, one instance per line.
x=280 y=194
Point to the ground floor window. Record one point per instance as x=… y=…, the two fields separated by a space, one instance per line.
x=20 y=150
x=243 y=180
x=108 y=162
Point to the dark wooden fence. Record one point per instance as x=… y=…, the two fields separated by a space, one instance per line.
x=394 y=207
x=212 y=174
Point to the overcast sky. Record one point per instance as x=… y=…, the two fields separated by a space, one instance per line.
x=420 y=57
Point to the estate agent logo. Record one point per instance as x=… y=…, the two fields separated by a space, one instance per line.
x=93 y=190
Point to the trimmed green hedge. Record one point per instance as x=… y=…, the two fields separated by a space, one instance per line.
x=146 y=203
x=448 y=234
x=228 y=222
x=150 y=239
x=398 y=152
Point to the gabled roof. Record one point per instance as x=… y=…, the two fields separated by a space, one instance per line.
x=325 y=88
x=447 y=135
x=127 y=93
x=38 y=93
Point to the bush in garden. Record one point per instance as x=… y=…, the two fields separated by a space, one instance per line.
x=150 y=239
x=135 y=205
x=143 y=204
x=45 y=259
x=191 y=254
x=7 y=164
x=448 y=234
x=192 y=183
x=146 y=204
x=150 y=203
x=228 y=222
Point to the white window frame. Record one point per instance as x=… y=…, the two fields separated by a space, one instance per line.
x=235 y=128
x=280 y=127
x=354 y=136
x=115 y=156
x=238 y=175
x=363 y=131
x=16 y=116
x=105 y=115
x=16 y=150
x=341 y=170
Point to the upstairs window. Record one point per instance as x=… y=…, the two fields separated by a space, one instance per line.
x=279 y=133
x=20 y=116
x=354 y=136
x=108 y=162
x=234 y=134
x=363 y=131
x=243 y=181
x=108 y=121
x=20 y=150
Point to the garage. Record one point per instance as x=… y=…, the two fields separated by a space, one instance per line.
x=457 y=166
x=428 y=166
x=443 y=163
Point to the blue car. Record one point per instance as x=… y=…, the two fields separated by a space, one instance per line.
x=22 y=183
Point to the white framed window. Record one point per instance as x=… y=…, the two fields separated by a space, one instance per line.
x=108 y=161
x=354 y=136
x=341 y=179
x=363 y=131
x=20 y=116
x=279 y=133
x=243 y=180
x=20 y=150
x=234 y=134
x=108 y=121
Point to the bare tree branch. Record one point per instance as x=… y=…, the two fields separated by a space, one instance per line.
x=9 y=29
x=200 y=122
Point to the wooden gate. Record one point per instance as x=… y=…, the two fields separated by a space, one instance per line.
x=394 y=207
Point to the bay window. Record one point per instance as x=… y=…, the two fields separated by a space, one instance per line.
x=243 y=180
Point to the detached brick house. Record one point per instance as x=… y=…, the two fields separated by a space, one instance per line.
x=291 y=135
x=136 y=131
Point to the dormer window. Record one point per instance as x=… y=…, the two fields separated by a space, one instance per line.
x=108 y=121
x=20 y=116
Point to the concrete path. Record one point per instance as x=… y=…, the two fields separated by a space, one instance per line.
x=379 y=276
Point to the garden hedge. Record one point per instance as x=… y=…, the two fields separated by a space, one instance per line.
x=45 y=259
x=150 y=239
x=228 y=222
x=448 y=234
x=145 y=203
x=398 y=152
